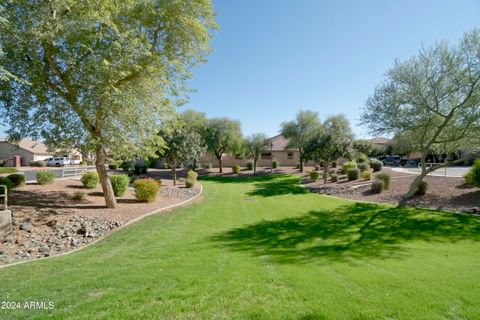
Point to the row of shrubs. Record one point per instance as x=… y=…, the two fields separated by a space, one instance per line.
x=12 y=181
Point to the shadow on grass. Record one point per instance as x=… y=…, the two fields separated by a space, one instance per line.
x=245 y=178
x=349 y=232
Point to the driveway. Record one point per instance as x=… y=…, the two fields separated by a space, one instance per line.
x=455 y=172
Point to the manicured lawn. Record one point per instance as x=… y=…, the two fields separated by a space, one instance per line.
x=264 y=248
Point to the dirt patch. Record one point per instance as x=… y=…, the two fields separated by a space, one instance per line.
x=48 y=220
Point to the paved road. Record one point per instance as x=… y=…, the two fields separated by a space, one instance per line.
x=443 y=172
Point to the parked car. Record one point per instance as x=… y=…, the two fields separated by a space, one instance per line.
x=59 y=162
x=392 y=161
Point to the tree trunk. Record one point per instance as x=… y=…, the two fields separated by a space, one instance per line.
x=416 y=182
x=301 y=161
x=325 y=168
x=174 y=174
x=100 y=161
x=220 y=164
x=254 y=166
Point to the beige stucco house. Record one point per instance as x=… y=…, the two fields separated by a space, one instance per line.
x=275 y=147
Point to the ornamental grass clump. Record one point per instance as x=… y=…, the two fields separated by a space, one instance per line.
x=191 y=179
x=385 y=177
x=377 y=186
x=376 y=165
x=353 y=174
x=90 y=180
x=146 y=189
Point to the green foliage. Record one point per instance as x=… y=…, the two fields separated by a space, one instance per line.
x=363 y=166
x=422 y=188
x=5 y=170
x=127 y=165
x=140 y=168
x=45 y=177
x=332 y=171
x=39 y=163
x=472 y=177
x=113 y=165
x=146 y=189
x=334 y=177
x=333 y=164
x=314 y=175
x=254 y=146
x=377 y=186
x=385 y=177
x=366 y=175
x=376 y=165
x=90 y=180
x=79 y=196
x=119 y=184
x=191 y=179
x=249 y=165
x=236 y=169
x=362 y=158
x=223 y=135
x=6 y=182
x=353 y=174
x=165 y=165
x=275 y=164
x=364 y=147
x=348 y=165
x=209 y=166
x=17 y=179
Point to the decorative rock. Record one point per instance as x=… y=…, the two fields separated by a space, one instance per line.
x=51 y=223
x=24 y=226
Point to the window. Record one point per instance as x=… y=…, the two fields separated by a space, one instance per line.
x=289 y=155
x=266 y=156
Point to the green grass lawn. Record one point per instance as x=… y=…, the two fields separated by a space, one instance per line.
x=264 y=248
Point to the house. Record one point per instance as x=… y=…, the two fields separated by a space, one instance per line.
x=275 y=148
x=380 y=141
x=28 y=151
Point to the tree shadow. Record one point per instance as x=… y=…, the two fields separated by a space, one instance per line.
x=244 y=178
x=348 y=233
x=48 y=200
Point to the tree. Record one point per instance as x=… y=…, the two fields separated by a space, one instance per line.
x=181 y=144
x=433 y=99
x=331 y=142
x=254 y=146
x=300 y=131
x=222 y=135
x=401 y=144
x=363 y=146
x=196 y=121
x=97 y=73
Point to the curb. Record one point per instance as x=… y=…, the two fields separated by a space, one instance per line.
x=151 y=213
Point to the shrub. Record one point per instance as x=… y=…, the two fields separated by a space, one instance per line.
x=353 y=174
x=17 y=179
x=209 y=166
x=376 y=165
x=146 y=190
x=274 y=164
x=236 y=169
x=83 y=163
x=377 y=186
x=127 y=165
x=165 y=165
x=385 y=177
x=422 y=189
x=472 y=177
x=366 y=175
x=8 y=170
x=79 y=196
x=39 y=163
x=90 y=180
x=191 y=179
x=332 y=171
x=45 y=177
x=362 y=158
x=348 y=165
x=314 y=175
x=334 y=177
x=113 y=165
x=249 y=165
x=119 y=184
x=140 y=169
x=363 y=166
x=6 y=182
x=334 y=164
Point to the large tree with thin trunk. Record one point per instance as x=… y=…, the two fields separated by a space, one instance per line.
x=433 y=100
x=331 y=142
x=254 y=145
x=197 y=122
x=223 y=135
x=97 y=73
x=181 y=144
x=300 y=131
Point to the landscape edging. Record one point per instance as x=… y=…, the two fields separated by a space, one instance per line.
x=151 y=213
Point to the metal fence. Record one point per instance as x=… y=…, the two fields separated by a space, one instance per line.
x=73 y=171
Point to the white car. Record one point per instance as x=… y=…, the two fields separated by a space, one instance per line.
x=59 y=162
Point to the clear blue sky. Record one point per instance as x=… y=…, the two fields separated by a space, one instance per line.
x=272 y=58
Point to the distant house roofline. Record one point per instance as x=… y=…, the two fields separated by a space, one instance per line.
x=33 y=146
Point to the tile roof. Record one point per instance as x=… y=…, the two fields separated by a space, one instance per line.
x=380 y=140
x=36 y=147
x=279 y=143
